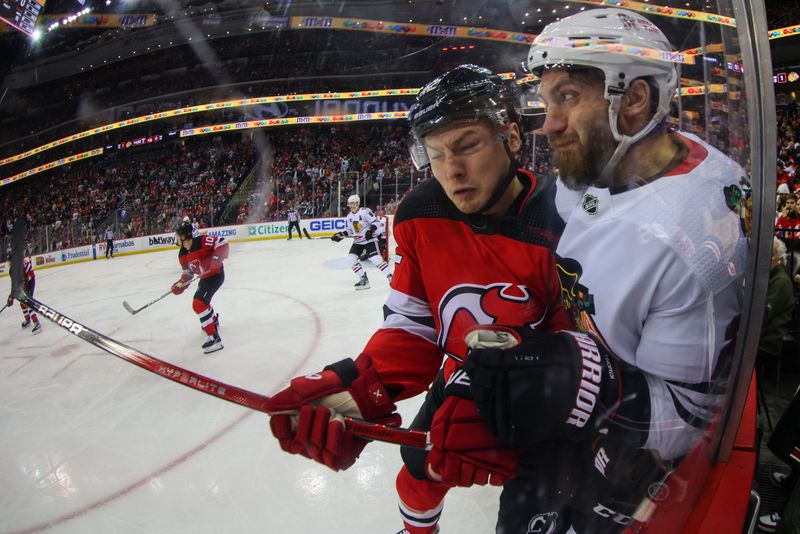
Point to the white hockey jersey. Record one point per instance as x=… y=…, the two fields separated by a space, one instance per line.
x=655 y=272
x=359 y=222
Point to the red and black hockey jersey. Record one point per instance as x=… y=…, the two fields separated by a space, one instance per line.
x=205 y=257
x=28 y=273
x=454 y=271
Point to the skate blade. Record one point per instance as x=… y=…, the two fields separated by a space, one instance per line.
x=213 y=348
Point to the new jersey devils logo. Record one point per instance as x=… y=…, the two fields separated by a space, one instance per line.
x=467 y=305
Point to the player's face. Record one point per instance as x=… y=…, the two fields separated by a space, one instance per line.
x=468 y=160
x=353 y=207
x=576 y=126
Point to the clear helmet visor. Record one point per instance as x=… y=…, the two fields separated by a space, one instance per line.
x=419 y=153
x=416 y=145
x=529 y=104
x=416 y=149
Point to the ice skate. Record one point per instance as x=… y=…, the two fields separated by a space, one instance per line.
x=26 y=323
x=363 y=283
x=213 y=344
x=37 y=328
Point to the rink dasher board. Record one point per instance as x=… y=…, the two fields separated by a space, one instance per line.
x=317 y=228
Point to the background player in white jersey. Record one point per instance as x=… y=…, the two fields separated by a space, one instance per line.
x=651 y=259
x=362 y=225
x=380 y=234
x=29 y=284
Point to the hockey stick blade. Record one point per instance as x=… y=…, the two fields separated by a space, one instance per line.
x=190 y=379
x=130 y=309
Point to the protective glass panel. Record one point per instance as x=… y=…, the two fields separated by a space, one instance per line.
x=572 y=295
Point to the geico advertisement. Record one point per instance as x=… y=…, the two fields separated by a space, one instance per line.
x=327 y=225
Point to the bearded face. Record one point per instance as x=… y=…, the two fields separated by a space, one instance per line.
x=584 y=153
x=576 y=125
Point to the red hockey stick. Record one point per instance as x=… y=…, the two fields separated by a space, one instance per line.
x=242 y=397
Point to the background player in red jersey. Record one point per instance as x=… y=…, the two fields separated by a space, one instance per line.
x=29 y=284
x=475 y=247
x=202 y=256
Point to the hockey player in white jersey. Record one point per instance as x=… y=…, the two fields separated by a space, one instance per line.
x=651 y=259
x=362 y=225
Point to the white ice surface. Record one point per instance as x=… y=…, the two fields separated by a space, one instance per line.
x=90 y=443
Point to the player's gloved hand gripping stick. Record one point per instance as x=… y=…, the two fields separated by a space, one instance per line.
x=248 y=399
x=308 y=415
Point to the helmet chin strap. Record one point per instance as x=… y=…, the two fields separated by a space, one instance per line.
x=625 y=141
x=504 y=183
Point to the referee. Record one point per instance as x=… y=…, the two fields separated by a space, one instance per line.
x=294 y=221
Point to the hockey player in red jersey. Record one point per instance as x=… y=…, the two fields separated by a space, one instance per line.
x=29 y=284
x=202 y=256
x=475 y=247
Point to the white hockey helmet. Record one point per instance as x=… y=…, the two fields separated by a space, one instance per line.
x=354 y=199
x=624 y=45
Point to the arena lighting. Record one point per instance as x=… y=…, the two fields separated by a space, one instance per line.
x=66 y=21
x=263 y=100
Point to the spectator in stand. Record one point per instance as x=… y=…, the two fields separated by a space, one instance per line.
x=787 y=227
x=785 y=443
x=780 y=304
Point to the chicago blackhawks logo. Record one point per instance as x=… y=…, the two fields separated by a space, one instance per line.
x=467 y=305
x=577 y=299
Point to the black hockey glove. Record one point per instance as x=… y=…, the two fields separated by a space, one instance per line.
x=338 y=236
x=369 y=233
x=531 y=386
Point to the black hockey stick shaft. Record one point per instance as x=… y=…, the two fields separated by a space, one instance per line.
x=190 y=379
x=135 y=311
x=3 y=308
x=132 y=311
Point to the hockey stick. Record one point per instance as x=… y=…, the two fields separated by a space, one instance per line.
x=3 y=308
x=134 y=312
x=242 y=397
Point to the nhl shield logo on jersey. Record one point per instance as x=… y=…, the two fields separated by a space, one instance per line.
x=468 y=305
x=589 y=204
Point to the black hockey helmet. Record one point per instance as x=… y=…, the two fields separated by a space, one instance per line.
x=184 y=230
x=467 y=92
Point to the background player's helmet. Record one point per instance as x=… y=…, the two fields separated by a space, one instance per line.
x=466 y=93
x=585 y=40
x=354 y=199
x=184 y=230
